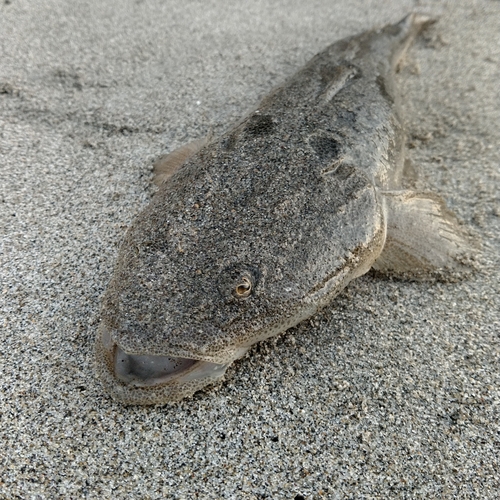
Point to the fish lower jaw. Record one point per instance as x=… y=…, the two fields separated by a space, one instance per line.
x=151 y=370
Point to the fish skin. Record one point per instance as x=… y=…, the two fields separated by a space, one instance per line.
x=287 y=199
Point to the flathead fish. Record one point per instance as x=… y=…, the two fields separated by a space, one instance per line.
x=256 y=230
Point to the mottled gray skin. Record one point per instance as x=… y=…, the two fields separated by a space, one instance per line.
x=288 y=200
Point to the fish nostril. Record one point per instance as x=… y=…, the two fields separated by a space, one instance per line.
x=148 y=369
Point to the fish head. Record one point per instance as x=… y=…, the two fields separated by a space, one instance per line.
x=174 y=318
x=170 y=325
x=206 y=271
x=193 y=288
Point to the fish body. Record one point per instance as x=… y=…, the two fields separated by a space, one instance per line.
x=266 y=224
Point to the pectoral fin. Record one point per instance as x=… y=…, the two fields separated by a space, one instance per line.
x=167 y=165
x=423 y=237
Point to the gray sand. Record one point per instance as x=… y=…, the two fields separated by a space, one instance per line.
x=393 y=392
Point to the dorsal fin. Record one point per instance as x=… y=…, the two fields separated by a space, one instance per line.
x=165 y=166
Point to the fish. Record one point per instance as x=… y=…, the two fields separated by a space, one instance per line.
x=258 y=229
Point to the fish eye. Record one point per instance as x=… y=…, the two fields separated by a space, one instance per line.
x=244 y=288
x=238 y=282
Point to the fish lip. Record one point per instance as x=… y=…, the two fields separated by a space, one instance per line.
x=193 y=368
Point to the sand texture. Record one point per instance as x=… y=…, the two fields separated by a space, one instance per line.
x=392 y=392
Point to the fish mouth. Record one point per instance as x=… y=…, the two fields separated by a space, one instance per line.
x=149 y=370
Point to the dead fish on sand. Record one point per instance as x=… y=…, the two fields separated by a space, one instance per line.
x=258 y=229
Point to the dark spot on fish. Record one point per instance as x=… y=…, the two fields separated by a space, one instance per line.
x=260 y=125
x=383 y=89
x=327 y=148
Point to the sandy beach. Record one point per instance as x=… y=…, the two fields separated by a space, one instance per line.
x=392 y=392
